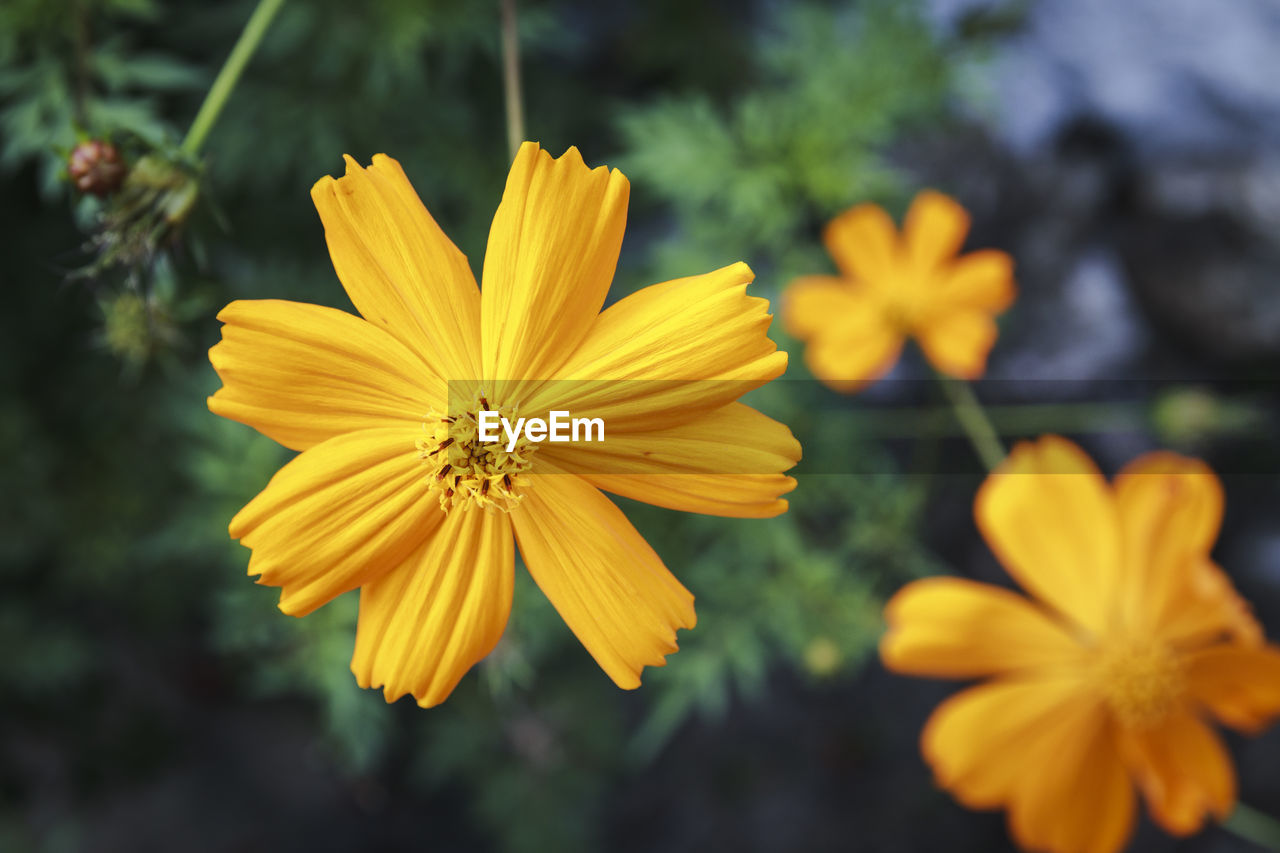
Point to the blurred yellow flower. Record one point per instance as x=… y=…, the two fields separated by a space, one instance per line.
x=394 y=493
x=1103 y=678
x=893 y=286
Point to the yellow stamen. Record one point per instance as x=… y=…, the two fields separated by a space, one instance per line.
x=465 y=471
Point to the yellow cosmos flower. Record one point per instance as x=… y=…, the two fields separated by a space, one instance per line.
x=1102 y=680
x=393 y=492
x=893 y=286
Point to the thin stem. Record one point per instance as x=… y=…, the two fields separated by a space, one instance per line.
x=511 y=77
x=83 y=47
x=1252 y=825
x=982 y=435
x=227 y=78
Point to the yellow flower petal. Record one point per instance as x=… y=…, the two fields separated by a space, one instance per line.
x=424 y=624
x=338 y=516
x=953 y=628
x=981 y=280
x=1162 y=495
x=400 y=270
x=848 y=323
x=1208 y=608
x=1081 y=801
x=986 y=742
x=812 y=302
x=1239 y=685
x=602 y=577
x=553 y=248
x=669 y=353
x=1183 y=770
x=728 y=462
x=857 y=349
x=304 y=373
x=1050 y=518
x=727 y=495
x=1170 y=512
x=957 y=342
x=934 y=230
x=864 y=244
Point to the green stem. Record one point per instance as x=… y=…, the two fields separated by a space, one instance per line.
x=227 y=78
x=511 y=77
x=982 y=435
x=1252 y=825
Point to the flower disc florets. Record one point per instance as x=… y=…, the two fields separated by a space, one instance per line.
x=1142 y=681
x=466 y=471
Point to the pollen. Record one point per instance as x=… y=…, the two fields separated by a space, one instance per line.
x=463 y=470
x=1142 y=681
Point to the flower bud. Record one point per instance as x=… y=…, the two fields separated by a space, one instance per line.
x=95 y=166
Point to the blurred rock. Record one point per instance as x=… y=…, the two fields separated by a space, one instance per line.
x=1202 y=251
x=1146 y=136
x=1173 y=76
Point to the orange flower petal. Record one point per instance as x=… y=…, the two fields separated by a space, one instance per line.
x=957 y=342
x=725 y=463
x=602 y=577
x=726 y=495
x=1170 y=510
x=400 y=270
x=1082 y=799
x=425 y=623
x=1170 y=506
x=301 y=374
x=934 y=230
x=811 y=303
x=864 y=244
x=338 y=516
x=1240 y=686
x=856 y=350
x=668 y=354
x=1050 y=518
x=953 y=628
x=981 y=280
x=1184 y=771
x=553 y=248
x=987 y=742
x=1207 y=607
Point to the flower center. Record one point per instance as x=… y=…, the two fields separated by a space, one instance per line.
x=465 y=471
x=1142 y=682
x=900 y=307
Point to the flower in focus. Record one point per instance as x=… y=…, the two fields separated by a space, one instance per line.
x=892 y=286
x=1104 y=677
x=395 y=494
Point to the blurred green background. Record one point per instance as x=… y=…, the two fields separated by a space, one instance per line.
x=153 y=698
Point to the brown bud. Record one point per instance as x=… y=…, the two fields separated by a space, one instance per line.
x=95 y=167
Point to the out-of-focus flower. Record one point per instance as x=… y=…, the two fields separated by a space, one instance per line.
x=95 y=167
x=394 y=493
x=135 y=327
x=1101 y=681
x=893 y=286
x=822 y=657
